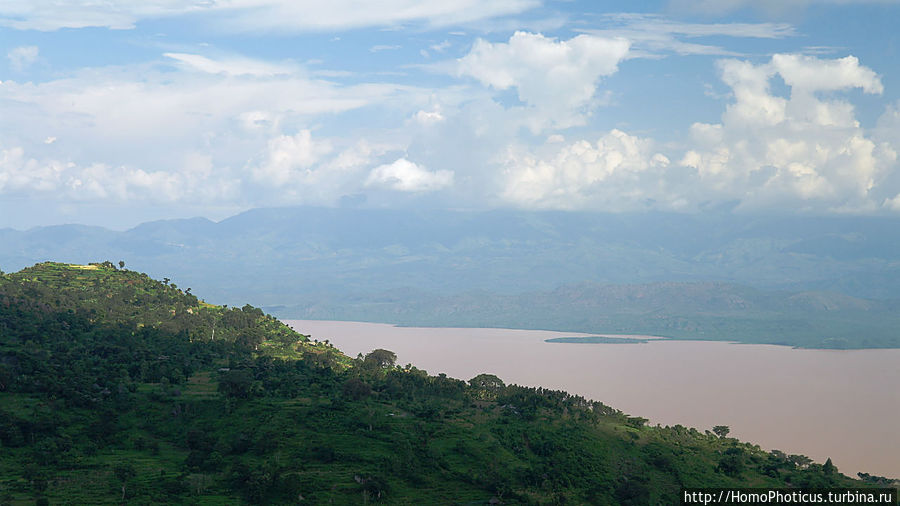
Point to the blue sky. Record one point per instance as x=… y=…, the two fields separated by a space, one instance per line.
x=119 y=112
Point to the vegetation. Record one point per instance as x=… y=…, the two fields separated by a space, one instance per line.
x=115 y=388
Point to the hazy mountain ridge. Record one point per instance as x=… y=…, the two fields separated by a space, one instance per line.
x=345 y=262
x=714 y=311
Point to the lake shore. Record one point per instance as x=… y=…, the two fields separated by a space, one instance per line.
x=821 y=403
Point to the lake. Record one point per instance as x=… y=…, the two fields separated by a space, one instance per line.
x=821 y=403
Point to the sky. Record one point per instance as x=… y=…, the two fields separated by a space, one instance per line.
x=117 y=112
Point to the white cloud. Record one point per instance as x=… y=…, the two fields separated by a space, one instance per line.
x=617 y=172
x=22 y=57
x=253 y=15
x=236 y=66
x=383 y=47
x=804 y=151
x=771 y=7
x=653 y=35
x=189 y=129
x=290 y=158
x=124 y=114
x=22 y=174
x=887 y=135
x=426 y=118
x=406 y=176
x=557 y=79
x=808 y=74
x=303 y=169
x=441 y=46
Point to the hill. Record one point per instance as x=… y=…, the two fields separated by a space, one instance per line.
x=114 y=388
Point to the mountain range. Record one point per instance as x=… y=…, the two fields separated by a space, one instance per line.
x=804 y=280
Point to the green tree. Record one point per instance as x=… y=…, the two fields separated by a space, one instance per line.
x=800 y=461
x=721 y=430
x=236 y=383
x=828 y=468
x=382 y=359
x=732 y=462
x=356 y=389
x=487 y=382
x=486 y=386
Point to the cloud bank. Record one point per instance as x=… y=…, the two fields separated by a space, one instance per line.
x=252 y=15
x=517 y=120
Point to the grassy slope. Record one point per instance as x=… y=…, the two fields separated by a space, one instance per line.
x=142 y=403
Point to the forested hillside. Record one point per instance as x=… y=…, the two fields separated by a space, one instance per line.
x=118 y=388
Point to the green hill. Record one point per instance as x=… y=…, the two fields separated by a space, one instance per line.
x=118 y=388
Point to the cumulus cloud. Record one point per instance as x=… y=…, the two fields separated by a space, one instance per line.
x=253 y=15
x=290 y=170
x=887 y=135
x=804 y=151
x=65 y=180
x=289 y=155
x=406 y=176
x=617 y=172
x=807 y=74
x=22 y=57
x=556 y=79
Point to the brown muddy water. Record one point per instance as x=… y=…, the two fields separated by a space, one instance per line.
x=821 y=403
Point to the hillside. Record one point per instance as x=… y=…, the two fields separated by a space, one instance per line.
x=114 y=389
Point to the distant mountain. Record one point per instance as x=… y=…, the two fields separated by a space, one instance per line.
x=334 y=260
x=706 y=311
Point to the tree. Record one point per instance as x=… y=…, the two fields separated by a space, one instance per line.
x=732 y=462
x=487 y=386
x=356 y=389
x=487 y=382
x=121 y=264
x=236 y=383
x=382 y=359
x=829 y=468
x=800 y=461
x=250 y=338
x=721 y=430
